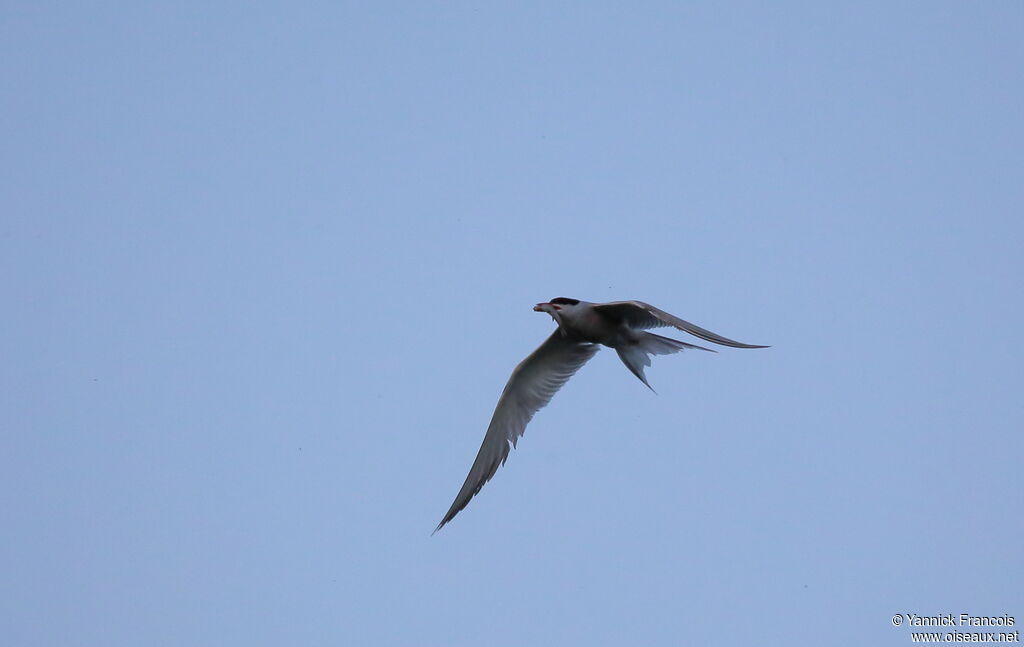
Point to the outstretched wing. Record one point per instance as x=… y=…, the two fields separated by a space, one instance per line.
x=640 y=316
x=532 y=385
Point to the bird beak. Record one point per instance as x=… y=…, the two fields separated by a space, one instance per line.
x=540 y=307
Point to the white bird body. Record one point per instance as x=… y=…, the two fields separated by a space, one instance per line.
x=583 y=327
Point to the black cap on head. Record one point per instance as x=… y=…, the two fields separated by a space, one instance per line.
x=564 y=301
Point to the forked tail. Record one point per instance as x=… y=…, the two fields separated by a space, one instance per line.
x=638 y=354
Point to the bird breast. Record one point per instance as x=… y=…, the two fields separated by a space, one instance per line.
x=594 y=328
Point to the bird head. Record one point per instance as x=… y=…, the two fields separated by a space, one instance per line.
x=558 y=307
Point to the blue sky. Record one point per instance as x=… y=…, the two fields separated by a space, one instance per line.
x=268 y=268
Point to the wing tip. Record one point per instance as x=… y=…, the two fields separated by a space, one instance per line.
x=448 y=517
x=455 y=509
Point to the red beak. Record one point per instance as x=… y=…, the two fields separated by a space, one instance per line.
x=537 y=308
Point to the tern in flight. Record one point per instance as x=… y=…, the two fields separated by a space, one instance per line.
x=582 y=329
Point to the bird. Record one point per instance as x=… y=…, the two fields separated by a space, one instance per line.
x=582 y=328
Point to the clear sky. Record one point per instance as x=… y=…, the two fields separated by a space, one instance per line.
x=266 y=269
